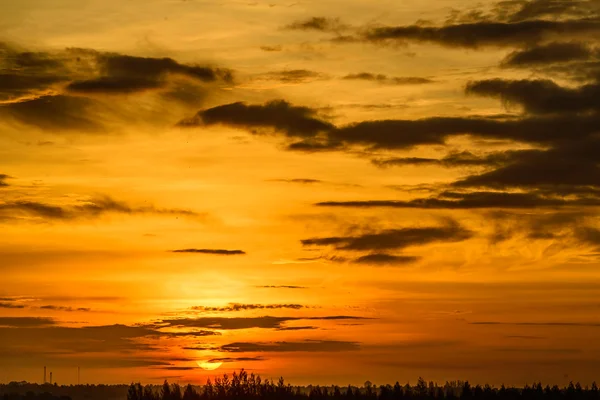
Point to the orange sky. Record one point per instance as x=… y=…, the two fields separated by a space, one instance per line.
x=332 y=191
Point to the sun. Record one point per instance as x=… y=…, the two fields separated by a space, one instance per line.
x=209 y=366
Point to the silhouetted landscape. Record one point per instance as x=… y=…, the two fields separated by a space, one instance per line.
x=244 y=386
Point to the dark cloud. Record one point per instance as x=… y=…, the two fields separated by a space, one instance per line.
x=265 y=322
x=298 y=328
x=321 y=24
x=29 y=334
x=470 y=200
x=235 y=359
x=25 y=74
x=544 y=324
x=390 y=80
x=523 y=10
x=245 y=307
x=271 y=48
x=405 y=134
x=124 y=65
x=48 y=90
x=217 y=252
x=487 y=33
x=276 y=347
x=107 y=84
x=458 y=159
x=520 y=10
x=120 y=73
x=539 y=96
x=525 y=337
x=178 y=368
x=306 y=181
x=11 y=305
x=282 y=287
x=293 y=76
x=54 y=112
x=25 y=322
x=64 y=308
x=588 y=236
x=401 y=238
x=559 y=52
x=386 y=259
x=277 y=115
x=567 y=168
x=90 y=209
x=3 y=179
x=319 y=135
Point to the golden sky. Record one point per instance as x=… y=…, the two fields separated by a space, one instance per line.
x=331 y=191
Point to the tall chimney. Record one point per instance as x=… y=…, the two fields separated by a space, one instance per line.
x=44 y=374
x=51 y=378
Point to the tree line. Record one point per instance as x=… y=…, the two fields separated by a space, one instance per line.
x=244 y=386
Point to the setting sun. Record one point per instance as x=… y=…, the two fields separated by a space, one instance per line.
x=208 y=365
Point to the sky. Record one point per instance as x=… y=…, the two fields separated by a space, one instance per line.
x=330 y=191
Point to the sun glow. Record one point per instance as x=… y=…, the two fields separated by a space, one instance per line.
x=209 y=366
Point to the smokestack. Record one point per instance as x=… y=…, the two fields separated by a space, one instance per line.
x=51 y=378
x=44 y=374
x=78 y=374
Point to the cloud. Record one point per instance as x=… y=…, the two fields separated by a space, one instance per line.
x=3 y=178
x=319 y=135
x=530 y=9
x=525 y=337
x=557 y=52
x=35 y=340
x=271 y=48
x=386 y=259
x=486 y=33
x=218 y=252
x=245 y=307
x=49 y=90
x=568 y=168
x=25 y=322
x=292 y=76
x=113 y=85
x=588 y=236
x=63 y=308
x=316 y=346
x=298 y=328
x=321 y=24
x=406 y=134
x=126 y=74
x=282 y=287
x=235 y=359
x=305 y=181
x=458 y=159
x=11 y=305
x=384 y=79
x=93 y=208
x=28 y=74
x=29 y=333
x=540 y=96
x=545 y=324
x=278 y=115
x=55 y=112
x=266 y=322
x=401 y=238
x=470 y=200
